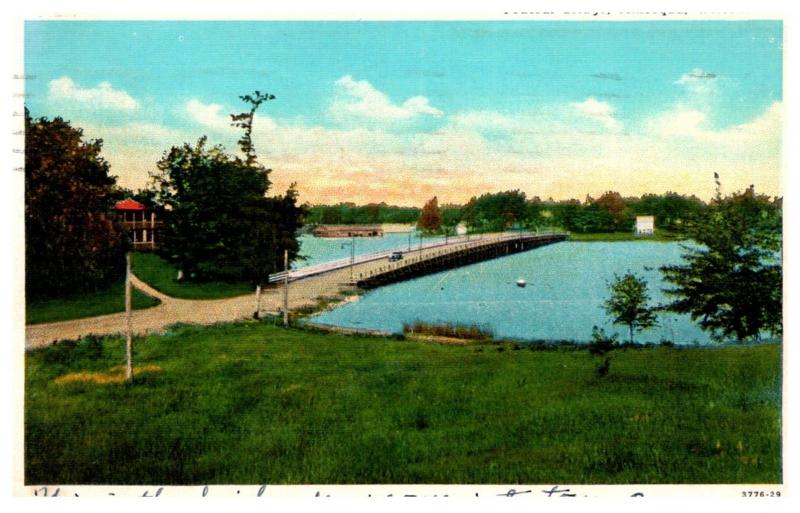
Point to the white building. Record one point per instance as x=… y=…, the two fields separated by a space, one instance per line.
x=461 y=228
x=645 y=225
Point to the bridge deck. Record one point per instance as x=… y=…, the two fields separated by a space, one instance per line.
x=457 y=256
x=375 y=269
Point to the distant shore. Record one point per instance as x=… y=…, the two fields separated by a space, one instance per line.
x=625 y=237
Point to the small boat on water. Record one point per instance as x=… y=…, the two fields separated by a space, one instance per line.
x=521 y=282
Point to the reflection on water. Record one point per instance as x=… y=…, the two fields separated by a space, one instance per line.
x=567 y=284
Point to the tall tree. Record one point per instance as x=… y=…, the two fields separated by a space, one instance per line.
x=495 y=211
x=451 y=216
x=72 y=242
x=245 y=120
x=430 y=219
x=219 y=224
x=730 y=281
x=204 y=191
x=628 y=304
x=618 y=210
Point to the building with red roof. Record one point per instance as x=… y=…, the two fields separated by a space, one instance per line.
x=128 y=205
x=140 y=223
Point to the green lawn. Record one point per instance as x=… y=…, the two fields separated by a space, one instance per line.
x=659 y=236
x=160 y=275
x=255 y=403
x=90 y=304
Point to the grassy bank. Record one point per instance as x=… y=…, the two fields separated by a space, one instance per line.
x=254 y=403
x=159 y=274
x=90 y=304
x=658 y=236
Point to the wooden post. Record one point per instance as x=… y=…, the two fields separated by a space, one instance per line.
x=257 y=314
x=153 y=229
x=286 y=287
x=128 y=335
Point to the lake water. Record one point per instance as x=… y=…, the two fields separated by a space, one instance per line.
x=567 y=285
x=319 y=249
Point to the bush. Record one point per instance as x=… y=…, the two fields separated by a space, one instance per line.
x=463 y=331
x=67 y=352
x=60 y=352
x=601 y=345
x=91 y=347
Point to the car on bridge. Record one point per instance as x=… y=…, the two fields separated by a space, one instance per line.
x=395 y=256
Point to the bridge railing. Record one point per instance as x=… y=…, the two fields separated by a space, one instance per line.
x=342 y=263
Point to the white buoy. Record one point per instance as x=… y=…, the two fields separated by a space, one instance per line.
x=521 y=282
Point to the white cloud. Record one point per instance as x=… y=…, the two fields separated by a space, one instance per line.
x=687 y=123
x=602 y=112
x=103 y=96
x=360 y=99
x=208 y=115
x=677 y=123
x=487 y=120
x=211 y=117
x=586 y=117
x=767 y=126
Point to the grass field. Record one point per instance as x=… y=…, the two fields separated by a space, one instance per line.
x=659 y=236
x=160 y=275
x=255 y=403
x=90 y=304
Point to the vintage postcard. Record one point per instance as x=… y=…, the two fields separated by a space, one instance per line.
x=526 y=255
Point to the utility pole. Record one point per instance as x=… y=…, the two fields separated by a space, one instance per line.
x=128 y=335
x=286 y=287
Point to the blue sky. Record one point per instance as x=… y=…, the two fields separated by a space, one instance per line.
x=399 y=111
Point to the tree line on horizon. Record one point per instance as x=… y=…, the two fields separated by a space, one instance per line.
x=608 y=213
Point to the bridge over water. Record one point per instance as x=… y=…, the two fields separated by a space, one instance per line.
x=374 y=269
